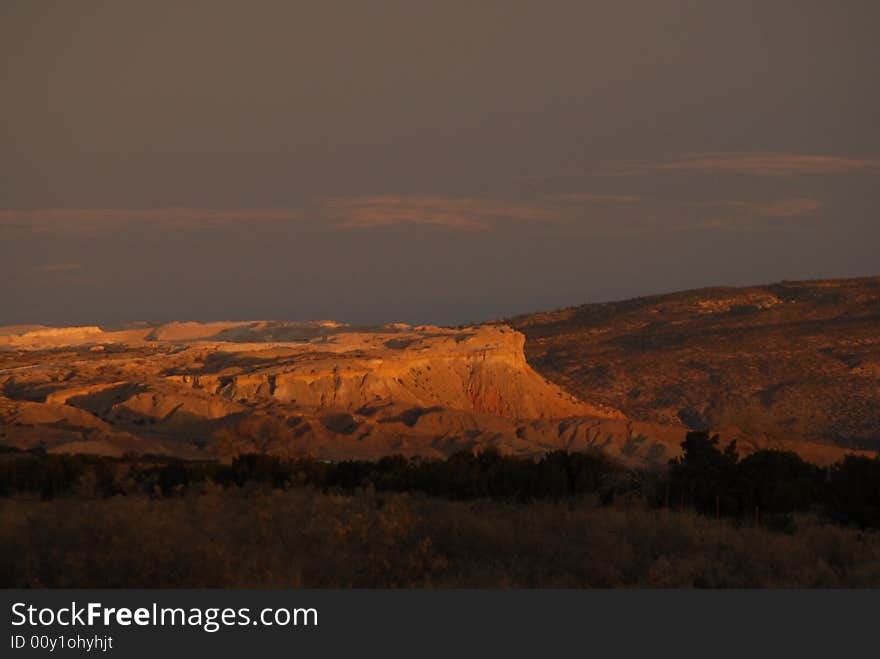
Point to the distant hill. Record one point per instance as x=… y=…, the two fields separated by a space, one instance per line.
x=788 y=361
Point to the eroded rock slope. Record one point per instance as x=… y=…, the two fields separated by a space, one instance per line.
x=324 y=389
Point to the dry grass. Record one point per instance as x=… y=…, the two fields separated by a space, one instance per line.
x=301 y=538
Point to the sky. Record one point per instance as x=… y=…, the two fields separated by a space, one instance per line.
x=427 y=162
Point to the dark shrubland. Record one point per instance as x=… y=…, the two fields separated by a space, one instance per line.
x=300 y=537
x=485 y=519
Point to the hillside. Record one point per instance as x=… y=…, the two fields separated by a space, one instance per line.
x=796 y=361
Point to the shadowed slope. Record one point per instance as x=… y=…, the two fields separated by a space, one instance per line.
x=791 y=361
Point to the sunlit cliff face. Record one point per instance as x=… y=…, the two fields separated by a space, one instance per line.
x=291 y=388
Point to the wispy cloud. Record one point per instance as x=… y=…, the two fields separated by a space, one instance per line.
x=763 y=164
x=93 y=219
x=774 y=208
x=730 y=224
x=59 y=267
x=465 y=214
x=749 y=215
x=586 y=197
x=754 y=163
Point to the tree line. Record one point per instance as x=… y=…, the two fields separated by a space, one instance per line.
x=768 y=485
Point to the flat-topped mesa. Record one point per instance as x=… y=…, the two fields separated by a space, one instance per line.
x=478 y=369
x=322 y=365
x=37 y=336
x=45 y=338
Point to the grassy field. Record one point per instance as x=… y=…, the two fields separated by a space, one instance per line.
x=301 y=537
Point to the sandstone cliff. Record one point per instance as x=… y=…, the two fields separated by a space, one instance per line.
x=324 y=388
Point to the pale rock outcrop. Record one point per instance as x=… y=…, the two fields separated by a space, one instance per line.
x=480 y=370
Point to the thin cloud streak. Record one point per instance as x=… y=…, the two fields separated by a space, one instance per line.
x=753 y=216
x=730 y=224
x=776 y=208
x=771 y=164
x=752 y=163
x=464 y=214
x=766 y=164
x=96 y=219
x=585 y=197
x=59 y=267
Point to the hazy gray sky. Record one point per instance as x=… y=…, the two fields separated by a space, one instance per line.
x=427 y=161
